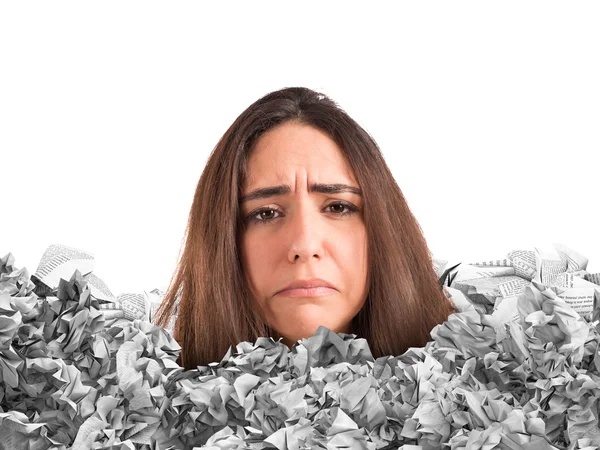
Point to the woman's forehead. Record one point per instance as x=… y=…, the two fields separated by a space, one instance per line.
x=284 y=158
x=291 y=143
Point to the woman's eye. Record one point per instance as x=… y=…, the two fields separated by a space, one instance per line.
x=267 y=215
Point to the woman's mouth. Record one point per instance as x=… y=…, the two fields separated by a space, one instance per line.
x=320 y=291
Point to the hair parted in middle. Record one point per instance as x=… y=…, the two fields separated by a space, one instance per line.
x=208 y=292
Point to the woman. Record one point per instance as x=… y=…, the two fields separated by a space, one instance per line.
x=296 y=190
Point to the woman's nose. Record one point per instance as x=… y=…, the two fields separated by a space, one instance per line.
x=307 y=232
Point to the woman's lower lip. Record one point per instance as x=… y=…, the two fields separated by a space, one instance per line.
x=308 y=292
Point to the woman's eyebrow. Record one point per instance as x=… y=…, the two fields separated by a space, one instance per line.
x=273 y=191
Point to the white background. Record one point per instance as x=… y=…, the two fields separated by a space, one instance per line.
x=487 y=113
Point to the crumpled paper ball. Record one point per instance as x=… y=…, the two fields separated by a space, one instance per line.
x=72 y=379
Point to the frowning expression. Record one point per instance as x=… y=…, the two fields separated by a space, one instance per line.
x=308 y=224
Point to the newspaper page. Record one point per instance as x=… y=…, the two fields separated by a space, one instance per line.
x=593 y=277
x=581 y=300
x=506 y=262
x=61 y=261
x=524 y=263
x=579 y=294
x=471 y=272
x=500 y=282
x=490 y=291
x=575 y=261
x=548 y=266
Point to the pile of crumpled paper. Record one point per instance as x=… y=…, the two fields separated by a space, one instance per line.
x=515 y=368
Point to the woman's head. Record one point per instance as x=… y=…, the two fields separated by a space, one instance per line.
x=231 y=266
x=305 y=231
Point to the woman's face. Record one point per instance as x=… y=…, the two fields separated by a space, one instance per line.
x=303 y=234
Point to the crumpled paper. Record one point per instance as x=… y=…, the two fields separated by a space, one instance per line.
x=71 y=379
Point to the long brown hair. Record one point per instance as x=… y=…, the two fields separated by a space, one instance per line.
x=208 y=291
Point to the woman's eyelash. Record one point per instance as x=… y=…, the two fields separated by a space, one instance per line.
x=253 y=216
